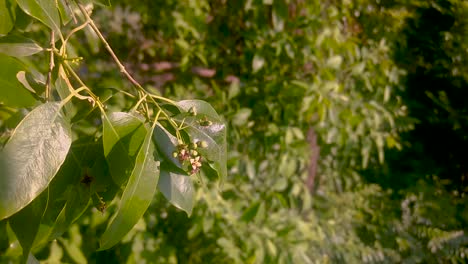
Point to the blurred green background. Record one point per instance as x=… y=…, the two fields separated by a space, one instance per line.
x=348 y=129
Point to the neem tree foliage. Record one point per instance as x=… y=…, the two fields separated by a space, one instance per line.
x=80 y=146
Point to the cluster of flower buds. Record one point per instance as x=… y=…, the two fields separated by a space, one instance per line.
x=187 y=153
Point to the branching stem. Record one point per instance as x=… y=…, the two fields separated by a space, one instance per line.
x=109 y=49
x=142 y=93
x=51 y=66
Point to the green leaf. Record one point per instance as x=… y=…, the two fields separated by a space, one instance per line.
x=200 y=107
x=43 y=10
x=251 y=212
x=178 y=190
x=123 y=134
x=25 y=223
x=73 y=251
x=32 y=259
x=241 y=117
x=7 y=17
x=12 y=92
x=4 y=244
x=70 y=190
x=29 y=82
x=137 y=195
x=65 y=10
x=78 y=200
x=32 y=157
x=18 y=46
x=166 y=144
x=257 y=63
x=23 y=20
x=213 y=133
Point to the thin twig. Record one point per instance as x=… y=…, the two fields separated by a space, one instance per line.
x=84 y=86
x=108 y=48
x=73 y=31
x=163 y=99
x=51 y=66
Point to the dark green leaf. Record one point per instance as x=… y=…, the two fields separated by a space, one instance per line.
x=166 y=144
x=251 y=212
x=12 y=92
x=123 y=134
x=178 y=190
x=4 y=243
x=18 y=46
x=78 y=198
x=7 y=17
x=69 y=191
x=137 y=195
x=32 y=157
x=25 y=223
x=43 y=10
x=23 y=20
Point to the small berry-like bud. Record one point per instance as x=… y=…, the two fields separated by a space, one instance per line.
x=175 y=154
x=202 y=144
x=193 y=146
x=205 y=123
x=194 y=152
x=192 y=111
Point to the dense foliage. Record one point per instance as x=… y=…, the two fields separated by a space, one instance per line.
x=347 y=129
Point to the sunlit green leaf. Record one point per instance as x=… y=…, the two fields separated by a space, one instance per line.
x=12 y=92
x=18 y=46
x=7 y=17
x=206 y=126
x=200 y=107
x=215 y=137
x=257 y=63
x=66 y=10
x=32 y=157
x=137 y=195
x=178 y=190
x=241 y=117
x=43 y=10
x=30 y=82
